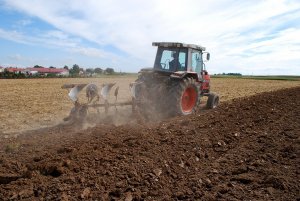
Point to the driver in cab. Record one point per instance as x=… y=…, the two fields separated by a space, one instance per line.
x=174 y=63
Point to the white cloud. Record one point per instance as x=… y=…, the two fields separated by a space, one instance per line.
x=92 y=52
x=24 y=22
x=16 y=57
x=13 y=36
x=241 y=35
x=55 y=39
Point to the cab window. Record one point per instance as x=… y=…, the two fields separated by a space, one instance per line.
x=171 y=59
x=182 y=61
x=196 y=61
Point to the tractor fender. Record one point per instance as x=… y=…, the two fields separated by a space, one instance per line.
x=184 y=74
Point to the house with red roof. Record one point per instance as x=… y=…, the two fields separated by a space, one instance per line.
x=46 y=71
x=37 y=71
x=15 y=70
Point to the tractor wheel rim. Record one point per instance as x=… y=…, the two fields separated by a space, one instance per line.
x=188 y=100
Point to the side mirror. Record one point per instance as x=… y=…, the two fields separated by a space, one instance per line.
x=207 y=56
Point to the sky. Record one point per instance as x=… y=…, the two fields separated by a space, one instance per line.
x=252 y=37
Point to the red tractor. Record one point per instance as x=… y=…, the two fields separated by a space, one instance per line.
x=174 y=86
x=176 y=83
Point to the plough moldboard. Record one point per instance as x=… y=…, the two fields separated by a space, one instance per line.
x=96 y=98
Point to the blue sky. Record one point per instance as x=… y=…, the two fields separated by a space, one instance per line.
x=260 y=37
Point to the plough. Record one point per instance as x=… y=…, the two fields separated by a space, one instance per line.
x=94 y=99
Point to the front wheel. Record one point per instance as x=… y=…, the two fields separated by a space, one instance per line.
x=212 y=101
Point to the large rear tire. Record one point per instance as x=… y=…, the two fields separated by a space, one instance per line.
x=148 y=94
x=185 y=97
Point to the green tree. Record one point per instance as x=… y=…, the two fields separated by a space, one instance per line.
x=66 y=67
x=90 y=70
x=37 y=66
x=98 y=70
x=51 y=75
x=110 y=71
x=75 y=70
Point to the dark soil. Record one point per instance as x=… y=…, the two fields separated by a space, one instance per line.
x=244 y=150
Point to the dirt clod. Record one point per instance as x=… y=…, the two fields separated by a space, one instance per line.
x=86 y=193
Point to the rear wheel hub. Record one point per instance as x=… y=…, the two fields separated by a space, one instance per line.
x=188 y=99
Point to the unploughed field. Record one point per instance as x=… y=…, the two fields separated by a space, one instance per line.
x=29 y=104
x=246 y=149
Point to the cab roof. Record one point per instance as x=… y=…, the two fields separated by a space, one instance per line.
x=176 y=44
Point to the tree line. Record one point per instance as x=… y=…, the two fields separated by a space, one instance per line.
x=11 y=75
x=76 y=70
x=230 y=74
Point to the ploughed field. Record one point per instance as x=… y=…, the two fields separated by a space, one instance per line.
x=246 y=149
x=29 y=104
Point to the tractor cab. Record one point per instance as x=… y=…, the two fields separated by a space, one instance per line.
x=174 y=57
